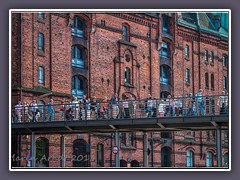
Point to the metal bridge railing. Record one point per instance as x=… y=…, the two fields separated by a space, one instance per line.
x=148 y=108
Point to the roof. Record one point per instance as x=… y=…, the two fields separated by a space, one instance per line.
x=216 y=23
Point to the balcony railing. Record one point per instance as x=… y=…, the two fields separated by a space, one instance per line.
x=170 y=107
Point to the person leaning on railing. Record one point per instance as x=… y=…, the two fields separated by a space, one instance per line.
x=223 y=103
x=200 y=102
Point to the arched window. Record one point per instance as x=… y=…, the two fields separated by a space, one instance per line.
x=78 y=56
x=40 y=41
x=100 y=155
x=209 y=159
x=78 y=86
x=190 y=162
x=206 y=56
x=125 y=33
x=164 y=94
x=224 y=61
x=212 y=81
x=206 y=81
x=42 y=152
x=123 y=163
x=211 y=57
x=80 y=153
x=166 y=157
x=78 y=27
x=165 y=50
x=127 y=76
x=225 y=160
x=187 y=51
x=165 y=74
x=134 y=163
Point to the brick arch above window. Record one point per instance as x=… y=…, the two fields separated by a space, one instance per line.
x=190 y=149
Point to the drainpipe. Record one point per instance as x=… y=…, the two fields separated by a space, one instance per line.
x=50 y=48
x=119 y=88
x=20 y=150
x=111 y=151
x=33 y=51
x=89 y=63
x=89 y=156
x=20 y=52
x=152 y=147
x=150 y=56
x=193 y=70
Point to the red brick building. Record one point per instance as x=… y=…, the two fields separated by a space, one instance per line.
x=61 y=55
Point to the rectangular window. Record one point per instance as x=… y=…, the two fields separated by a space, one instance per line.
x=206 y=81
x=187 y=76
x=123 y=139
x=40 y=75
x=125 y=33
x=209 y=159
x=40 y=42
x=212 y=81
x=187 y=51
x=78 y=27
x=130 y=139
x=100 y=155
x=165 y=24
x=224 y=82
x=206 y=55
x=189 y=159
x=224 y=61
x=127 y=75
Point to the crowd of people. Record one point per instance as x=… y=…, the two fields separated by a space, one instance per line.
x=115 y=108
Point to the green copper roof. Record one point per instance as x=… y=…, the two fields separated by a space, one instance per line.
x=216 y=23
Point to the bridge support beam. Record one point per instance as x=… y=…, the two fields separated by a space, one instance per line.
x=116 y=143
x=219 y=147
x=145 y=149
x=33 y=150
x=62 y=151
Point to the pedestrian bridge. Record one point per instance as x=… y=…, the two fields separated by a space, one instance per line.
x=124 y=125
x=163 y=115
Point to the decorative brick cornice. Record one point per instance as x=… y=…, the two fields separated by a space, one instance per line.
x=138 y=20
x=205 y=38
x=116 y=30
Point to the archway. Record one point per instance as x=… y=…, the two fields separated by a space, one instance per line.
x=123 y=163
x=166 y=156
x=134 y=163
x=42 y=152
x=79 y=153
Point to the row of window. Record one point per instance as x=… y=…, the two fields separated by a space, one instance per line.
x=131 y=138
x=209 y=159
x=224 y=80
x=80 y=148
